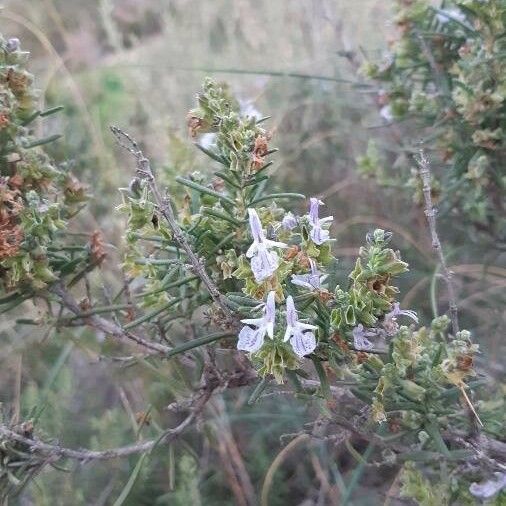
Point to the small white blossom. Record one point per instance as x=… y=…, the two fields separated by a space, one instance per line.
x=313 y=280
x=300 y=334
x=252 y=335
x=289 y=221
x=263 y=262
x=386 y=113
x=318 y=234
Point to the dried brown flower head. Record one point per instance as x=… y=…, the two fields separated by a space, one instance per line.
x=260 y=151
x=97 y=248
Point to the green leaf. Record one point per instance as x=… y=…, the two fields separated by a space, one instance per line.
x=433 y=431
x=203 y=189
x=322 y=376
x=200 y=341
x=274 y=196
x=151 y=315
x=212 y=154
x=41 y=142
x=257 y=392
x=208 y=211
x=131 y=481
x=53 y=110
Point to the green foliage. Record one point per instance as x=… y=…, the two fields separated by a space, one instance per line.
x=302 y=314
x=37 y=197
x=444 y=79
x=370 y=294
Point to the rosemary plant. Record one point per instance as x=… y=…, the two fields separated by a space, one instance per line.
x=219 y=263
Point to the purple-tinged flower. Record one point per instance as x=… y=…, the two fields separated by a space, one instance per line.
x=263 y=262
x=313 y=280
x=490 y=487
x=360 y=335
x=252 y=335
x=390 y=320
x=318 y=234
x=300 y=334
x=397 y=311
x=386 y=113
x=12 y=45
x=289 y=221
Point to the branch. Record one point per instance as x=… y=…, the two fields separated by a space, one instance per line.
x=106 y=326
x=212 y=382
x=58 y=451
x=164 y=205
x=430 y=212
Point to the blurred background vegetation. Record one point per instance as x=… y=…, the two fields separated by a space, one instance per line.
x=138 y=64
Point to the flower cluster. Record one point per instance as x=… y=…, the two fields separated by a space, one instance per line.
x=279 y=278
x=300 y=335
x=272 y=264
x=445 y=72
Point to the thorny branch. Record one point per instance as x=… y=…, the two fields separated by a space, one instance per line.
x=165 y=208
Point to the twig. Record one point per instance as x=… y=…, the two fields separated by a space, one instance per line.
x=86 y=455
x=164 y=205
x=430 y=212
x=57 y=451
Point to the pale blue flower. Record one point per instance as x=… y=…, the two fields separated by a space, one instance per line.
x=397 y=311
x=390 y=321
x=360 y=335
x=312 y=281
x=318 y=234
x=12 y=45
x=300 y=334
x=263 y=262
x=289 y=221
x=489 y=488
x=252 y=335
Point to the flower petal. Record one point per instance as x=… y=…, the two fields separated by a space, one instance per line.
x=270 y=313
x=303 y=343
x=314 y=204
x=360 y=341
x=255 y=225
x=289 y=221
x=251 y=339
x=264 y=263
x=303 y=280
x=291 y=312
x=318 y=235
